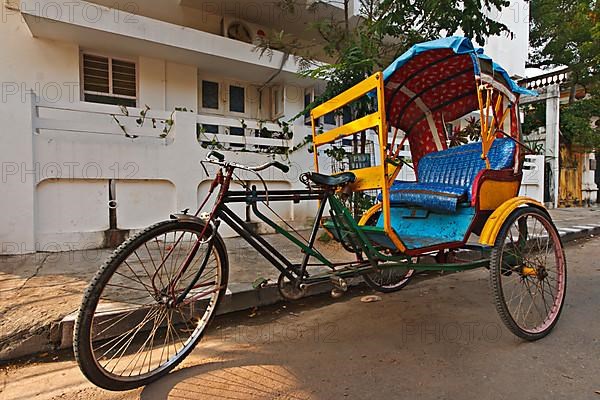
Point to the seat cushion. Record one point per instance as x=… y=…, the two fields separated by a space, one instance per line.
x=460 y=165
x=438 y=197
x=446 y=177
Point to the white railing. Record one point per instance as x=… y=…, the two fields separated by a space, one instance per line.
x=252 y=138
x=105 y=119
x=79 y=153
x=130 y=122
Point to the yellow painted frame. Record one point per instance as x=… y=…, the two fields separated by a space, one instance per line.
x=496 y=220
x=368 y=214
x=375 y=177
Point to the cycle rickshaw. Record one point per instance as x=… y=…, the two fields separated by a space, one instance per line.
x=151 y=302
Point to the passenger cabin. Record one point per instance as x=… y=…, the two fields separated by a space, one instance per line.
x=456 y=188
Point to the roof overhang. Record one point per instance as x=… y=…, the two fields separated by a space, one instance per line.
x=100 y=30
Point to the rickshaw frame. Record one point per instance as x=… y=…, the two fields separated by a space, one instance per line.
x=382 y=176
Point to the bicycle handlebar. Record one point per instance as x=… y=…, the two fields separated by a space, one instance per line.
x=221 y=161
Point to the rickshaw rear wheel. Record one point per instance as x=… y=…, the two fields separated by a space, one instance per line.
x=387 y=280
x=528 y=273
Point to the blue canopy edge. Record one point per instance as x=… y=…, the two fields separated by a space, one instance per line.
x=460 y=45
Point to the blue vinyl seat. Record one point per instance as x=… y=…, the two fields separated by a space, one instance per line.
x=445 y=178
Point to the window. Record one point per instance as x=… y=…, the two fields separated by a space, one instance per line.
x=236 y=131
x=109 y=81
x=277 y=101
x=329 y=119
x=237 y=99
x=210 y=95
x=223 y=97
x=309 y=96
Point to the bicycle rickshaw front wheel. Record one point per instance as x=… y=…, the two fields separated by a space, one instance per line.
x=141 y=315
x=528 y=273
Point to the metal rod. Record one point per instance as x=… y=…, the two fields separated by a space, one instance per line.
x=313 y=237
x=290 y=237
x=257 y=242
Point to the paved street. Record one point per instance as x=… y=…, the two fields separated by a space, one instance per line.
x=40 y=292
x=437 y=339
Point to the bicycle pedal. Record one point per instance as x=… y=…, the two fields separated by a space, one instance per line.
x=339 y=283
x=260 y=282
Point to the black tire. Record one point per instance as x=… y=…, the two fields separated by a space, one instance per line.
x=83 y=342
x=387 y=280
x=522 y=263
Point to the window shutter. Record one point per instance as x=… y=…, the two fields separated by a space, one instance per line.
x=96 y=74
x=123 y=78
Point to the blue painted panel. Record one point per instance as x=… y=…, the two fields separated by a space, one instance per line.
x=432 y=230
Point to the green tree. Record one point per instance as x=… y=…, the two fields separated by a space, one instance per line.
x=383 y=30
x=579 y=122
x=567 y=33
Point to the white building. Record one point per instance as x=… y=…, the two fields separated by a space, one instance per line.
x=69 y=156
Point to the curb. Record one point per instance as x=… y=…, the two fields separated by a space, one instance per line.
x=239 y=297
x=578 y=232
x=242 y=297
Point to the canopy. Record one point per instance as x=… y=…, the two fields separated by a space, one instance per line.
x=434 y=83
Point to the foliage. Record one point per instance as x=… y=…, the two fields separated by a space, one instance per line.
x=578 y=125
x=141 y=120
x=578 y=121
x=535 y=147
x=566 y=33
x=385 y=29
x=336 y=153
x=473 y=129
x=535 y=117
x=470 y=132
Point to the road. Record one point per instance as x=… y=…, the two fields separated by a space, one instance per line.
x=436 y=339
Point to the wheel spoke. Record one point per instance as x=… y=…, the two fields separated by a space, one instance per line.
x=529 y=273
x=136 y=332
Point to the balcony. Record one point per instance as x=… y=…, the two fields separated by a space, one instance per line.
x=79 y=119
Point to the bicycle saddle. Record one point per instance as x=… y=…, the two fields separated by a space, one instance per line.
x=331 y=180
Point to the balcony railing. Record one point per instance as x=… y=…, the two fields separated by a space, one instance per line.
x=213 y=132
x=228 y=133
x=100 y=119
x=544 y=80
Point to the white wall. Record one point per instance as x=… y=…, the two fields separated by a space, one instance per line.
x=511 y=53
x=55 y=184
x=51 y=69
